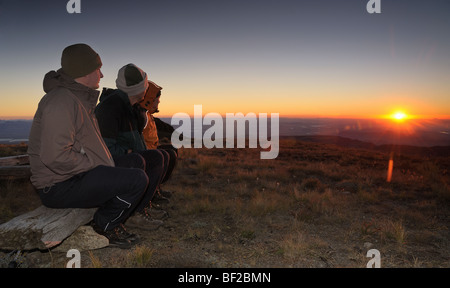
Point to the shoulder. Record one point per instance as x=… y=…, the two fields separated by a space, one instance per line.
x=111 y=98
x=59 y=97
x=60 y=103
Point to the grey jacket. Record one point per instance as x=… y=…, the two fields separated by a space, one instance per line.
x=65 y=139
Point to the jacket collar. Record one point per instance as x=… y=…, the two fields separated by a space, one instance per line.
x=86 y=95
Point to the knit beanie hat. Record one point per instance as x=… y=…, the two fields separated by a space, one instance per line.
x=132 y=80
x=79 y=60
x=153 y=92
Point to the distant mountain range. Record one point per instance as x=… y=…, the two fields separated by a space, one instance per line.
x=377 y=136
x=14 y=131
x=422 y=133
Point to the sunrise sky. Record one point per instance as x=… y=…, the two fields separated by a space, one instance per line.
x=301 y=58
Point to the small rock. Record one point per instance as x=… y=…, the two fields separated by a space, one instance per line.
x=83 y=239
x=368 y=245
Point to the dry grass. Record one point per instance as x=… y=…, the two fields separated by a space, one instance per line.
x=316 y=205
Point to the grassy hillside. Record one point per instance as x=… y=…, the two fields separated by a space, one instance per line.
x=316 y=205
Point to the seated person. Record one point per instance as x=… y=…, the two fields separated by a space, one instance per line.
x=70 y=164
x=157 y=133
x=118 y=118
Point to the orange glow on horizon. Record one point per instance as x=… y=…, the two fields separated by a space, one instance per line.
x=170 y=108
x=399 y=116
x=165 y=114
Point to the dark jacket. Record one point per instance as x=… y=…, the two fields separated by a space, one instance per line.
x=120 y=123
x=65 y=139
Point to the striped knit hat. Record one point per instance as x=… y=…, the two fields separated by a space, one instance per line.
x=132 y=80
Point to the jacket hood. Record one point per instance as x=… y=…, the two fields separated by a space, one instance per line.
x=55 y=79
x=108 y=93
x=150 y=97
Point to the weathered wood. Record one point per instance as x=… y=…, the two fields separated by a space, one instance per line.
x=15 y=160
x=15 y=166
x=42 y=228
x=15 y=171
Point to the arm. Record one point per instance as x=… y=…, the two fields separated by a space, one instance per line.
x=60 y=151
x=108 y=119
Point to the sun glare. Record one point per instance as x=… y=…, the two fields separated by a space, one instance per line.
x=399 y=116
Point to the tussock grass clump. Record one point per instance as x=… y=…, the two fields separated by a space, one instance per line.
x=140 y=257
x=395 y=231
x=267 y=202
x=300 y=249
x=322 y=207
x=312 y=184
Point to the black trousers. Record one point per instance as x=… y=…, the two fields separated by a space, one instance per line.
x=155 y=167
x=117 y=191
x=170 y=157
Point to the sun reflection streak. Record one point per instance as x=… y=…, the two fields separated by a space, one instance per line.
x=390 y=168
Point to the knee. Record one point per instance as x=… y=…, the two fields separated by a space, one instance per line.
x=163 y=160
x=133 y=160
x=140 y=179
x=138 y=160
x=172 y=154
x=165 y=155
x=158 y=158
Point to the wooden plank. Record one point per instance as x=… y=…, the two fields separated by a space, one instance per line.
x=23 y=171
x=15 y=160
x=42 y=228
x=15 y=166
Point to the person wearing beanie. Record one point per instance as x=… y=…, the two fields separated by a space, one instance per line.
x=118 y=115
x=133 y=81
x=71 y=166
x=79 y=60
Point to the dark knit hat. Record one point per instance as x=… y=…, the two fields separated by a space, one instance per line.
x=79 y=60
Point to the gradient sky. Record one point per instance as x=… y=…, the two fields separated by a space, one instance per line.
x=292 y=57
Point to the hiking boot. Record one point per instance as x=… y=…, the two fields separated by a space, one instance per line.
x=116 y=237
x=133 y=238
x=159 y=198
x=165 y=193
x=143 y=221
x=157 y=214
x=155 y=211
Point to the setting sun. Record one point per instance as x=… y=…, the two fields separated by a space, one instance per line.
x=399 y=116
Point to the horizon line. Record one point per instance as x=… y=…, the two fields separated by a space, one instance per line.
x=376 y=117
